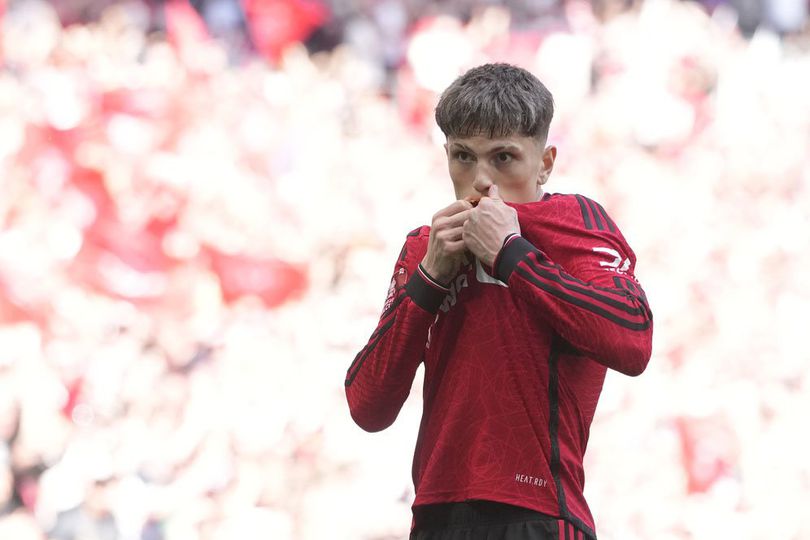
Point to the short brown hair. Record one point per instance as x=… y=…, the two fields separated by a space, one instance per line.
x=495 y=100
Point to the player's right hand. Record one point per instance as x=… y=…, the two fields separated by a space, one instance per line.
x=446 y=249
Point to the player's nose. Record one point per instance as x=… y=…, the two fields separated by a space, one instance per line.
x=482 y=181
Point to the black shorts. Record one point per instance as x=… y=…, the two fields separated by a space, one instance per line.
x=486 y=520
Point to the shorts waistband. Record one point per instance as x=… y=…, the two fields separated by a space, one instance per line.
x=473 y=512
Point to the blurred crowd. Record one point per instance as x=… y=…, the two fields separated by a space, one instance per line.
x=379 y=30
x=197 y=227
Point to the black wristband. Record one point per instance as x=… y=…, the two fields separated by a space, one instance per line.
x=425 y=291
x=515 y=250
x=432 y=279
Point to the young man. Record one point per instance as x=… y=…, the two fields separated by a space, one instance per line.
x=517 y=306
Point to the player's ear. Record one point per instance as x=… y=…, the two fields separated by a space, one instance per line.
x=547 y=165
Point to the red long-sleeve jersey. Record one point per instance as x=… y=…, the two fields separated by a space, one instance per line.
x=515 y=358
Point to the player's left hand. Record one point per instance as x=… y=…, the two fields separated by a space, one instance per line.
x=488 y=225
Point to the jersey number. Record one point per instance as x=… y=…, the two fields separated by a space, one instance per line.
x=616 y=264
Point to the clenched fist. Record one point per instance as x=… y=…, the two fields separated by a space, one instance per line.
x=488 y=226
x=446 y=248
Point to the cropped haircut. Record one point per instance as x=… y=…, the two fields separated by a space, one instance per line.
x=495 y=100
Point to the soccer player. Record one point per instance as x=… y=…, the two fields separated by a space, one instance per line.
x=517 y=306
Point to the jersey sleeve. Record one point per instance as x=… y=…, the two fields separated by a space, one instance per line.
x=579 y=277
x=380 y=377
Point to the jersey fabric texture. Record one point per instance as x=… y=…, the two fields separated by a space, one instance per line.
x=515 y=357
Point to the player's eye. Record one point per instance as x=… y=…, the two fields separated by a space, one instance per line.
x=464 y=157
x=503 y=157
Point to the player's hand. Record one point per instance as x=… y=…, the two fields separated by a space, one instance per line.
x=446 y=249
x=488 y=226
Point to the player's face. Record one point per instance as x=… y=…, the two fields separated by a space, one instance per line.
x=518 y=165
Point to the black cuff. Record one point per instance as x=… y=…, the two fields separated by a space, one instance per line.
x=426 y=293
x=511 y=254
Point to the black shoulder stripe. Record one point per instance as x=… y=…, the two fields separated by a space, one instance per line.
x=616 y=303
x=403 y=253
x=611 y=225
x=573 y=279
x=635 y=290
x=585 y=214
x=596 y=217
x=630 y=325
x=415 y=232
x=630 y=285
x=624 y=284
x=362 y=355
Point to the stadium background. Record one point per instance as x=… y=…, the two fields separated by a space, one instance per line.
x=201 y=204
